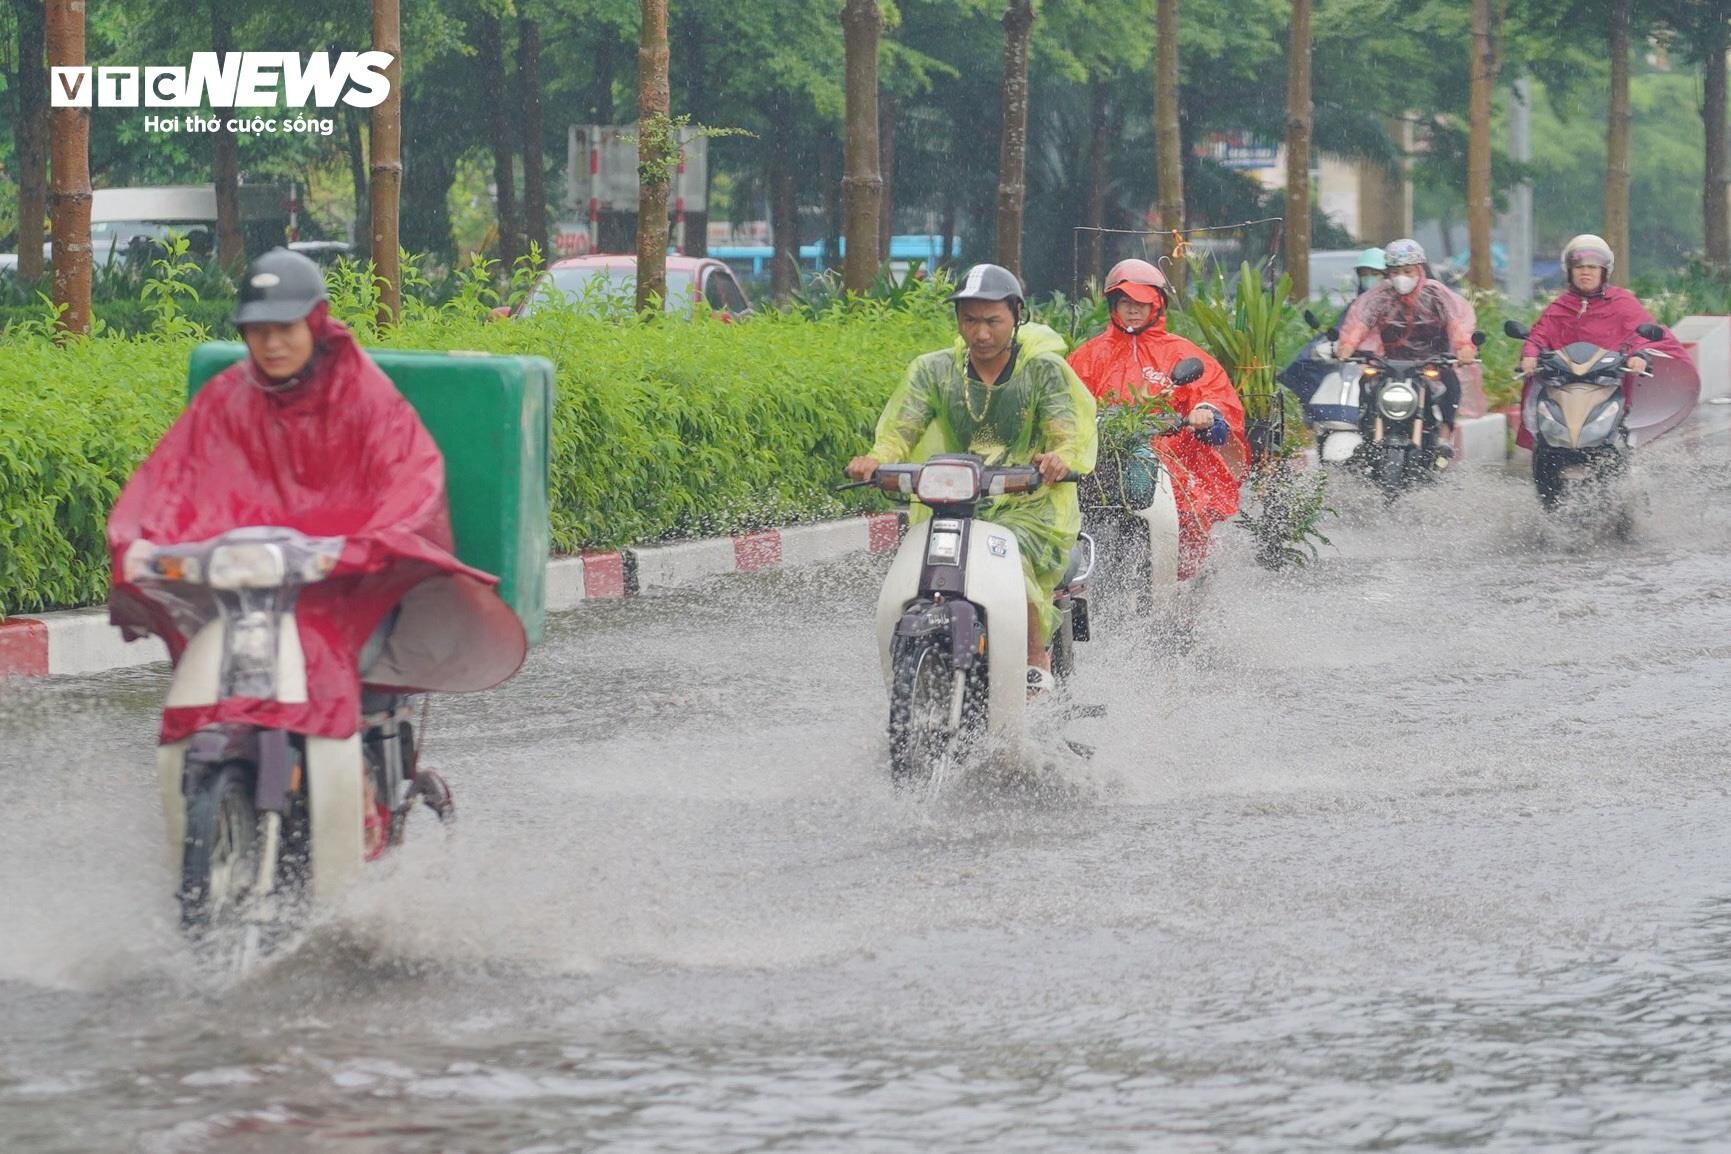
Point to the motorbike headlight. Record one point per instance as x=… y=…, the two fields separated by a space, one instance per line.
x=251 y=566
x=1551 y=426
x=1398 y=401
x=944 y=549
x=1603 y=422
x=948 y=483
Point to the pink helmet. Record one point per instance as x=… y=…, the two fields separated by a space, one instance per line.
x=1139 y=280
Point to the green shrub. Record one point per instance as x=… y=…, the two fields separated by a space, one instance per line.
x=663 y=428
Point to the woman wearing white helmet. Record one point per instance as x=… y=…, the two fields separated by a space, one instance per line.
x=1411 y=317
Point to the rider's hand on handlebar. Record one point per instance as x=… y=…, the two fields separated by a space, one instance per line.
x=1467 y=354
x=135 y=563
x=1053 y=468
x=1528 y=365
x=862 y=468
x=1201 y=418
x=1637 y=364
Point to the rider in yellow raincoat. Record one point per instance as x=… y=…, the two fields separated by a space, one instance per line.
x=1005 y=392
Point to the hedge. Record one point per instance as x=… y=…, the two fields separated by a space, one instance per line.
x=663 y=428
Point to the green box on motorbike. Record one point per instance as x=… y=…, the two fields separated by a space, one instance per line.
x=492 y=418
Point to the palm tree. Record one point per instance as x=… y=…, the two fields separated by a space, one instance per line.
x=1169 y=159
x=1013 y=153
x=387 y=163
x=69 y=199
x=862 y=184
x=1484 y=75
x=1298 y=125
x=654 y=143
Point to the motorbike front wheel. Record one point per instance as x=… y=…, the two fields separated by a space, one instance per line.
x=219 y=864
x=925 y=742
x=1391 y=471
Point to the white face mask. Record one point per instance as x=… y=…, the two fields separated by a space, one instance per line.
x=1405 y=284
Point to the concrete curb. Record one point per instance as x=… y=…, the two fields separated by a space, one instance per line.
x=81 y=641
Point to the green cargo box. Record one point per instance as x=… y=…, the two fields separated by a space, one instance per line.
x=492 y=418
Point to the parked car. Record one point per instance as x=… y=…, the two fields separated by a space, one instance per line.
x=591 y=278
x=323 y=252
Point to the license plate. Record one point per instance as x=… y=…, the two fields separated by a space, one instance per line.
x=1573 y=472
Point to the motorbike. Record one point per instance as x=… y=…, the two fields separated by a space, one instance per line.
x=1577 y=413
x=1378 y=416
x=1130 y=511
x=952 y=617
x=261 y=821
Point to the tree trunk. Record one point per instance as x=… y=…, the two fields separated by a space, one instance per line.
x=69 y=200
x=387 y=146
x=1617 y=144
x=30 y=137
x=1013 y=153
x=1099 y=140
x=1713 y=121
x=601 y=96
x=358 y=174
x=534 y=164
x=490 y=45
x=887 y=166
x=225 y=163
x=1168 y=141
x=861 y=186
x=1298 y=124
x=1479 y=206
x=656 y=154
x=783 y=215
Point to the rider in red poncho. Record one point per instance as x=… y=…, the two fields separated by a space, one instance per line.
x=1605 y=315
x=1133 y=359
x=309 y=434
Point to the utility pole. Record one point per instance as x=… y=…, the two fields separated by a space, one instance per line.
x=1518 y=224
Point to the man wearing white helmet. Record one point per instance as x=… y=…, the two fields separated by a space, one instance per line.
x=1413 y=317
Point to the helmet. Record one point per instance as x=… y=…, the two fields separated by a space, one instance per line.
x=990 y=282
x=1138 y=280
x=1589 y=249
x=279 y=287
x=1372 y=258
x=1401 y=252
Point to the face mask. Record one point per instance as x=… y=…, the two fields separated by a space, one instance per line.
x=1405 y=284
x=1368 y=281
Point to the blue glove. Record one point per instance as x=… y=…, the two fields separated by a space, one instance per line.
x=1216 y=433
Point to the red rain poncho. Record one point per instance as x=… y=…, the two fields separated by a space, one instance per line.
x=341 y=455
x=1119 y=367
x=1608 y=319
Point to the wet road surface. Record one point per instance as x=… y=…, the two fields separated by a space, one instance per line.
x=1424 y=847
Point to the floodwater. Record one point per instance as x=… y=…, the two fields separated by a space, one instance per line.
x=1424 y=847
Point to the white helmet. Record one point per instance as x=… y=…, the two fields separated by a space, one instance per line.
x=1588 y=249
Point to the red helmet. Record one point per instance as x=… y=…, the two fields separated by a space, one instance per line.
x=1138 y=280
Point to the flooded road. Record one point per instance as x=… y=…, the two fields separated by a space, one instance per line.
x=1423 y=847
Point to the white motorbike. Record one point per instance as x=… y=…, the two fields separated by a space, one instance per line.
x=1130 y=510
x=952 y=619
x=257 y=817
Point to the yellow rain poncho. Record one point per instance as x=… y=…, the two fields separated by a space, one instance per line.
x=1040 y=407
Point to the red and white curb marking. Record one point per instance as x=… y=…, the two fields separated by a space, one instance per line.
x=81 y=641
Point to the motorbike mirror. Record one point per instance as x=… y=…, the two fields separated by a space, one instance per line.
x=1187 y=371
x=1650 y=332
x=1515 y=330
x=1333 y=334
x=1310 y=319
x=1478 y=339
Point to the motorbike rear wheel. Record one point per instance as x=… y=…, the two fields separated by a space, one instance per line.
x=924 y=747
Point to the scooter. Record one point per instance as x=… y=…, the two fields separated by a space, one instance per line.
x=1577 y=413
x=952 y=618
x=1334 y=411
x=260 y=821
x=1130 y=510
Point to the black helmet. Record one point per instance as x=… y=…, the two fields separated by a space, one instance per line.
x=990 y=282
x=278 y=288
